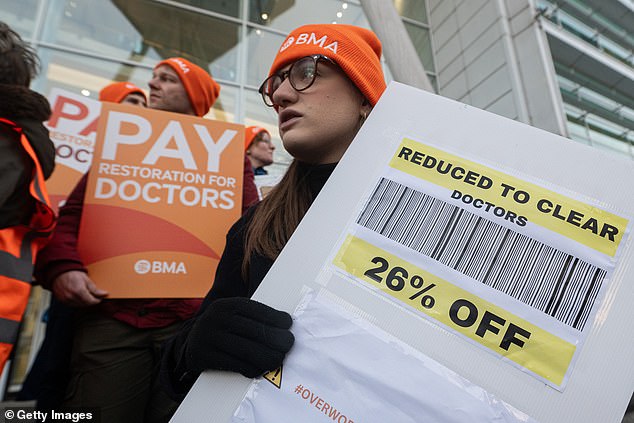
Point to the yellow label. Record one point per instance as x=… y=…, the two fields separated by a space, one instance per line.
x=275 y=377
x=515 y=199
x=489 y=325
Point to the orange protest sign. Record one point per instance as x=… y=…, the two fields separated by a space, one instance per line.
x=162 y=193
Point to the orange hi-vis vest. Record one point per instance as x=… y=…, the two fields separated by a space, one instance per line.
x=18 y=248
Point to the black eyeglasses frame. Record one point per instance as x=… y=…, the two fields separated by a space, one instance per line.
x=268 y=97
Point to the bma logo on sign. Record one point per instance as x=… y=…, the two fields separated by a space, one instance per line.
x=143 y=267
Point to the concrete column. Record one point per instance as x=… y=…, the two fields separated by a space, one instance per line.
x=398 y=49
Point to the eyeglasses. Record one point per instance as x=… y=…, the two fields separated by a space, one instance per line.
x=301 y=75
x=266 y=141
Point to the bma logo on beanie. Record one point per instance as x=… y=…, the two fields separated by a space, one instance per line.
x=356 y=50
x=180 y=64
x=289 y=42
x=311 y=38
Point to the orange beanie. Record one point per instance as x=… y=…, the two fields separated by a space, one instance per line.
x=201 y=88
x=250 y=133
x=356 y=50
x=117 y=91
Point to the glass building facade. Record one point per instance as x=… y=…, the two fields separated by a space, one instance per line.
x=565 y=66
x=592 y=45
x=86 y=44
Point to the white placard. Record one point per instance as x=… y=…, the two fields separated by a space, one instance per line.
x=594 y=385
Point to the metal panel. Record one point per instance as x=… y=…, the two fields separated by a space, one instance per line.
x=445 y=9
x=457 y=88
x=479 y=22
x=486 y=63
x=451 y=71
x=448 y=53
x=515 y=7
x=492 y=89
x=479 y=45
x=466 y=11
x=443 y=32
x=504 y=106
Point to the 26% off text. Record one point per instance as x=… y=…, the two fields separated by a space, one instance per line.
x=395 y=280
x=462 y=312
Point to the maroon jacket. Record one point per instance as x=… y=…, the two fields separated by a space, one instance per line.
x=61 y=256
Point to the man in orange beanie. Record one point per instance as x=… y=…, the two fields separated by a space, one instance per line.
x=117 y=342
x=177 y=85
x=259 y=148
x=124 y=93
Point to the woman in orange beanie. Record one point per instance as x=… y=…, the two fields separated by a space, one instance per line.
x=323 y=83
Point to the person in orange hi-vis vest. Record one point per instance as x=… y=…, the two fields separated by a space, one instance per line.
x=27 y=158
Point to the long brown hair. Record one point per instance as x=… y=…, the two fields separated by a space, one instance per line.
x=277 y=216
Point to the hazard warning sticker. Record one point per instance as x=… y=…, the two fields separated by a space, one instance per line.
x=275 y=377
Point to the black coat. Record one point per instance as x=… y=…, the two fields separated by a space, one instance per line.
x=28 y=110
x=176 y=378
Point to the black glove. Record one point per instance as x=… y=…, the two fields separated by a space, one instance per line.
x=241 y=335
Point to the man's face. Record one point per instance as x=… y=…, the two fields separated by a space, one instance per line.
x=167 y=92
x=260 y=151
x=134 y=99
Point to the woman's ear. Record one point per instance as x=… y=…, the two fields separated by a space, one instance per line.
x=366 y=108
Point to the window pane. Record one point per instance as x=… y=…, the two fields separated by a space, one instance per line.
x=19 y=15
x=262 y=47
x=144 y=31
x=75 y=73
x=605 y=142
x=287 y=15
x=607 y=135
x=413 y=9
x=226 y=106
x=578 y=132
x=422 y=43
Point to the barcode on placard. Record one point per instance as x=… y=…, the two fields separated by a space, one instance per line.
x=545 y=278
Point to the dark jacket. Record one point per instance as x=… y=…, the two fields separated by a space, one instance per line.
x=176 y=378
x=28 y=110
x=259 y=171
